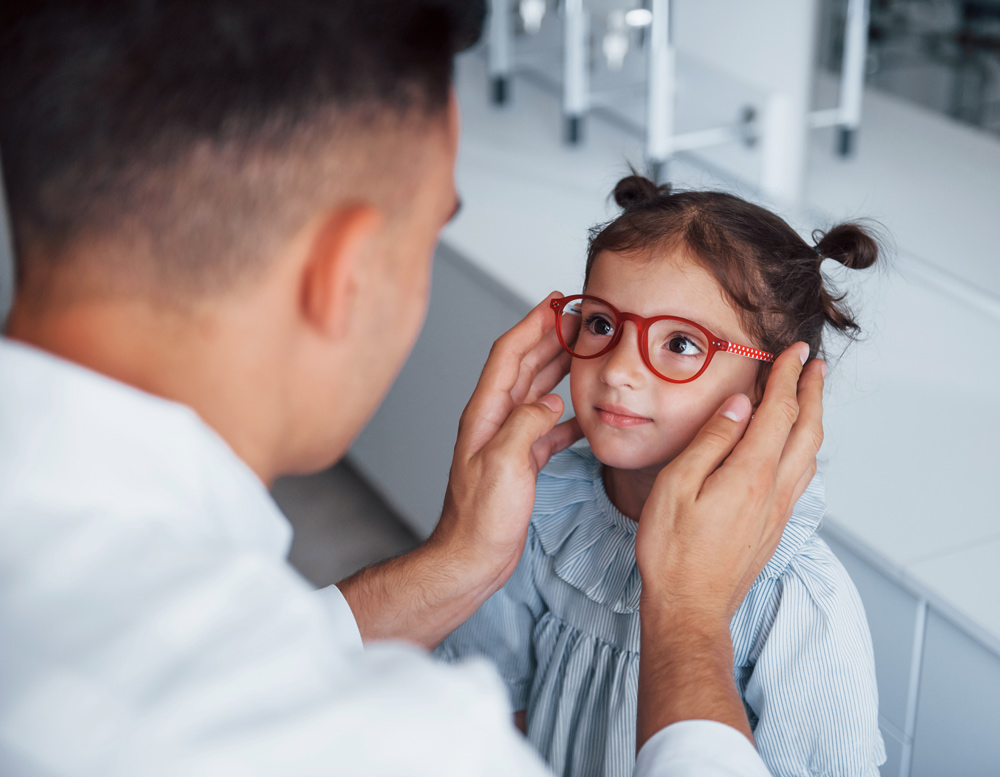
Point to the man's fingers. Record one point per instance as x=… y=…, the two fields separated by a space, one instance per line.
x=713 y=444
x=491 y=401
x=536 y=360
x=777 y=412
x=778 y=520
x=549 y=377
x=797 y=465
x=504 y=363
x=806 y=436
x=560 y=438
x=526 y=425
x=800 y=487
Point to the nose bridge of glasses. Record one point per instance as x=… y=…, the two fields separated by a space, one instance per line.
x=637 y=329
x=641 y=323
x=625 y=355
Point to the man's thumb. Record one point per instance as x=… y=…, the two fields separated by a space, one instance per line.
x=528 y=423
x=553 y=402
x=713 y=443
x=736 y=408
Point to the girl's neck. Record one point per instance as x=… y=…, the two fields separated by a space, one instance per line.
x=628 y=489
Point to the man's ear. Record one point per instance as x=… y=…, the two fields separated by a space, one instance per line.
x=344 y=239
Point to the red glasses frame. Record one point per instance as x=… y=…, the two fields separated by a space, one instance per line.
x=715 y=344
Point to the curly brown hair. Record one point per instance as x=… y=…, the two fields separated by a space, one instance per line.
x=770 y=274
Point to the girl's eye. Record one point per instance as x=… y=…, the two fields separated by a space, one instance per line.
x=682 y=345
x=599 y=325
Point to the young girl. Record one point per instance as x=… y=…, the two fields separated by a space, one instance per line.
x=687 y=297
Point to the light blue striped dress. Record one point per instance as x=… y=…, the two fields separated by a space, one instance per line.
x=564 y=635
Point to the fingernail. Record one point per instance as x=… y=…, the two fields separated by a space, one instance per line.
x=804 y=353
x=822 y=369
x=736 y=408
x=552 y=402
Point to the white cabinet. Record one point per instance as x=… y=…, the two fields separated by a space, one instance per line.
x=952 y=695
x=958 y=711
x=893 y=755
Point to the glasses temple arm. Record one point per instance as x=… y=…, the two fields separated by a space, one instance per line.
x=744 y=350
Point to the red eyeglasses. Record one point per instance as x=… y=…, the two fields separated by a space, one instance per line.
x=673 y=348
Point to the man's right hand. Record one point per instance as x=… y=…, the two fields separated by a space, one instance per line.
x=508 y=432
x=712 y=522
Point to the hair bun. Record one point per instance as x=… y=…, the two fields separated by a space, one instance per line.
x=852 y=245
x=635 y=190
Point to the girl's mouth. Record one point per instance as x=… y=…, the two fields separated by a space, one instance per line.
x=620 y=417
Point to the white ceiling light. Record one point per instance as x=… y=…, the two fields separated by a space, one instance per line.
x=532 y=13
x=639 y=17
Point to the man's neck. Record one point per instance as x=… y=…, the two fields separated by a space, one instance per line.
x=183 y=357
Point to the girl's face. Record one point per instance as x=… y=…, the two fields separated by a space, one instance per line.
x=632 y=418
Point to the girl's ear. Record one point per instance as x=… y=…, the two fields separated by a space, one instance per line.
x=344 y=239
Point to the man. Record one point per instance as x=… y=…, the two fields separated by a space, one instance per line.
x=224 y=213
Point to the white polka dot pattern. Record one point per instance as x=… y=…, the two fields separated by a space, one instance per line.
x=753 y=353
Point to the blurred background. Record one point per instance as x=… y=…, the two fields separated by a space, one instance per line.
x=823 y=110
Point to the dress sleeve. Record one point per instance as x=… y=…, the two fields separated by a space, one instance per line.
x=501 y=630
x=813 y=686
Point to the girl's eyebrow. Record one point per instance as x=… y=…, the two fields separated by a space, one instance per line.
x=711 y=326
x=718 y=331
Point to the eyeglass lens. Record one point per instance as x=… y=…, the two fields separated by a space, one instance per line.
x=676 y=350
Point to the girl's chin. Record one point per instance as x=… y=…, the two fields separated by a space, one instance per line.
x=620 y=456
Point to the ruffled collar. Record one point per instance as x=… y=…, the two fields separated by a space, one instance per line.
x=592 y=544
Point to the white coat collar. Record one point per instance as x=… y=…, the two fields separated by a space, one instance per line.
x=75 y=441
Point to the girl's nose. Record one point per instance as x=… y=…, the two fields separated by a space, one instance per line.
x=624 y=366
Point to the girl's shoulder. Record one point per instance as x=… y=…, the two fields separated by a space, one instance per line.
x=821 y=575
x=804 y=594
x=797 y=541
x=585 y=540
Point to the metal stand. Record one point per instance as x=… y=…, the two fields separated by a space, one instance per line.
x=845 y=141
x=776 y=125
x=661 y=140
x=852 y=80
x=500 y=37
x=573 y=129
x=576 y=69
x=658 y=172
x=500 y=90
x=847 y=115
x=662 y=71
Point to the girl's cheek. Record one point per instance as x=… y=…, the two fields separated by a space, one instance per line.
x=575 y=393
x=580 y=381
x=683 y=413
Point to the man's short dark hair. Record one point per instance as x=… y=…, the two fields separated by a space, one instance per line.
x=158 y=119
